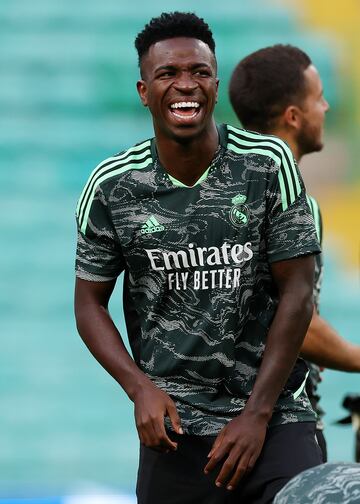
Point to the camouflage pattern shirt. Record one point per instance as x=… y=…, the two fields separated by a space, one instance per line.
x=199 y=296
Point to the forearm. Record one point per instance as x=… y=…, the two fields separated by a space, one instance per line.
x=104 y=341
x=243 y=437
x=283 y=343
x=325 y=347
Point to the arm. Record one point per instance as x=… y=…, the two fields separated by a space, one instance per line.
x=242 y=439
x=326 y=348
x=101 y=336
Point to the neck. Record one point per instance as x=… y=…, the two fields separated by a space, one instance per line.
x=294 y=148
x=187 y=160
x=290 y=140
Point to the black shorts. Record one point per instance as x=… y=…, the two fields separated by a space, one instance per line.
x=322 y=443
x=178 y=477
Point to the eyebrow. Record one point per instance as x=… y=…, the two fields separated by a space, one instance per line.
x=174 y=67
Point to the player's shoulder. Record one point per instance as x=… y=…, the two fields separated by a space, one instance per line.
x=246 y=141
x=110 y=169
x=107 y=173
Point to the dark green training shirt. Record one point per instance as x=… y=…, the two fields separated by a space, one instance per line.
x=199 y=293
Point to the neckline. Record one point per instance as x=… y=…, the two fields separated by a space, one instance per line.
x=222 y=132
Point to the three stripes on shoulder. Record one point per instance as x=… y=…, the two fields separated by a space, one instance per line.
x=135 y=158
x=243 y=141
x=239 y=141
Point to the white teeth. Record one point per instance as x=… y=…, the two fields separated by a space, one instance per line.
x=185 y=104
x=182 y=116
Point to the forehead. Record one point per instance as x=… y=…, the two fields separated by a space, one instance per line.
x=177 y=51
x=313 y=81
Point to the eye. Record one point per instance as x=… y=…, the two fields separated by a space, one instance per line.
x=166 y=74
x=203 y=72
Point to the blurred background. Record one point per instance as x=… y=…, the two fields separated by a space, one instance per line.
x=67 y=101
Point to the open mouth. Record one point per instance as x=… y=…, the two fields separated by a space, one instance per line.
x=185 y=110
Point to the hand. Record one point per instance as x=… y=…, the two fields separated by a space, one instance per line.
x=241 y=442
x=151 y=406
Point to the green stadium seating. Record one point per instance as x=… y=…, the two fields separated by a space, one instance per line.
x=68 y=99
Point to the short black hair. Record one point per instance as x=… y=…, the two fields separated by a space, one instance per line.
x=173 y=24
x=266 y=82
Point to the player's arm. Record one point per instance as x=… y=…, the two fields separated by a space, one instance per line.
x=240 y=442
x=322 y=344
x=99 y=261
x=101 y=336
x=326 y=348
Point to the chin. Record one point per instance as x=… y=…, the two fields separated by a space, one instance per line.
x=307 y=146
x=310 y=140
x=318 y=146
x=186 y=134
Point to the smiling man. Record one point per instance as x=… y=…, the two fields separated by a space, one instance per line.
x=211 y=226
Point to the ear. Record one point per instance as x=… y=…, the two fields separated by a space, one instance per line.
x=217 y=90
x=292 y=117
x=142 y=90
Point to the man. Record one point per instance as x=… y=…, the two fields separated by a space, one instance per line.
x=277 y=90
x=218 y=261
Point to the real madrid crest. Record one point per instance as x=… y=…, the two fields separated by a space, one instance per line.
x=239 y=213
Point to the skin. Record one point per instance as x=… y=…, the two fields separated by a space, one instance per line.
x=184 y=69
x=104 y=341
x=326 y=348
x=241 y=440
x=302 y=127
x=177 y=70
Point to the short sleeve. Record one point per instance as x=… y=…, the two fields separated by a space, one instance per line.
x=290 y=227
x=316 y=213
x=98 y=252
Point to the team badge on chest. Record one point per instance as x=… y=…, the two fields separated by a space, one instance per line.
x=239 y=212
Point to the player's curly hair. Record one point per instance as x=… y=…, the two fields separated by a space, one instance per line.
x=266 y=82
x=170 y=25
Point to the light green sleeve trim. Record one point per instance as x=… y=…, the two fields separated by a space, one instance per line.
x=314 y=207
x=277 y=161
x=262 y=152
x=282 y=161
x=115 y=160
x=283 y=145
x=284 y=202
x=308 y=199
x=274 y=145
x=292 y=164
x=289 y=180
x=301 y=388
x=134 y=166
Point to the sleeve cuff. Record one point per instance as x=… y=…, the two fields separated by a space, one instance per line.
x=287 y=254
x=92 y=277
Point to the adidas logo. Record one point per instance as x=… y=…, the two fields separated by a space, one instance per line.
x=151 y=226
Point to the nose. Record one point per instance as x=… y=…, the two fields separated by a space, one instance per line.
x=185 y=82
x=326 y=105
